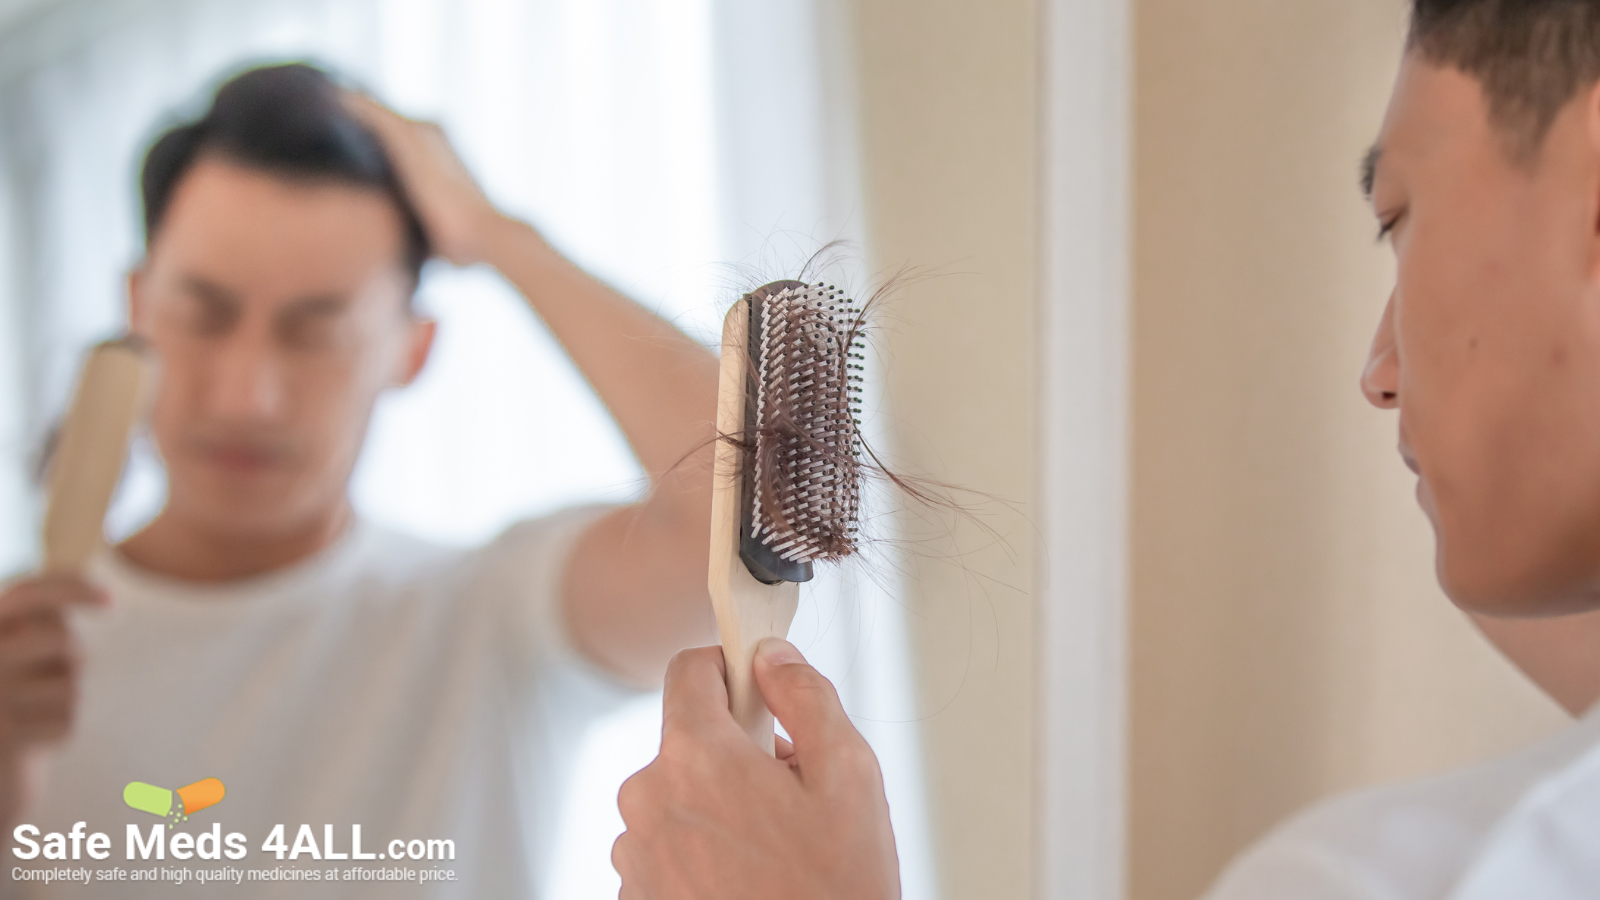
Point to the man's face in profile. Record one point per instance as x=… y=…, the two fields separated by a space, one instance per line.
x=279 y=309
x=1490 y=344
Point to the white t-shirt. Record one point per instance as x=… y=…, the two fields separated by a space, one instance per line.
x=1523 y=826
x=420 y=692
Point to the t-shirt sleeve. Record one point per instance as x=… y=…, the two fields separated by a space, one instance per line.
x=1285 y=868
x=525 y=567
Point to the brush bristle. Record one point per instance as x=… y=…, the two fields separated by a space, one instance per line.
x=807 y=470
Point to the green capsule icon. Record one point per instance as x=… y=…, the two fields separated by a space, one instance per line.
x=157 y=801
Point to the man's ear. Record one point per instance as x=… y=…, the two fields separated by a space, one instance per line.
x=1591 y=122
x=422 y=330
x=136 y=306
x=1591 y=115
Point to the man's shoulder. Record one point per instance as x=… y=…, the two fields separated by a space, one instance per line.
x=539 y=543
x=1399 y=841
x=388 y=555
x=524 y=562
x=401 y=552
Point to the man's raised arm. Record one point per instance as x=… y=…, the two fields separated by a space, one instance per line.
x=634 y=591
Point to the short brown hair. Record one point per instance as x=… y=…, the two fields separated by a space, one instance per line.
x=1531 y=56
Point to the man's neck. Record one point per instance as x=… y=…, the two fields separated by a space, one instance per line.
x=1561 y=654
x=189 y=550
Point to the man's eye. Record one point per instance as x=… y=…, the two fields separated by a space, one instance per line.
x=210 y=319
x=1386 y=226
x=309 y=333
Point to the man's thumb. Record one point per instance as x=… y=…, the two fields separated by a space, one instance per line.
x=807 y=705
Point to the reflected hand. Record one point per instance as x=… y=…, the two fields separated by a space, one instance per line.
x=40 y=663
x=713 y=817
x=455 y=213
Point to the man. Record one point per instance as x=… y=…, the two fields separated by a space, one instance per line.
x=1486 y=179
x=329 y=673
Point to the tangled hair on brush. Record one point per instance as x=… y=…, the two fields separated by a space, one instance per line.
x=806 y=458
x=805 y=362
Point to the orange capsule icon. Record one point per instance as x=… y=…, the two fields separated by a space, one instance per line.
x=203 y=793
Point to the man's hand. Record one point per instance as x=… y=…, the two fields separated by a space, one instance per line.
x=40 y=661
x=456 y=215
x=713 y=817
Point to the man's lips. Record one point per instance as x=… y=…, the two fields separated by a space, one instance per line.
x=242 y=457
x=1424 y=495
x=1407 y=458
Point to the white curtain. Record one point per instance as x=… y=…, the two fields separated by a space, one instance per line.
x=680 y=149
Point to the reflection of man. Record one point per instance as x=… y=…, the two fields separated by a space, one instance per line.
x=1487 y=181
x=330 y=673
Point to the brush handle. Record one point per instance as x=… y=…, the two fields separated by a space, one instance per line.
x=90 y=451
x=748 y=611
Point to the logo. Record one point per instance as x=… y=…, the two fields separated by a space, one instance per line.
x=173 y=805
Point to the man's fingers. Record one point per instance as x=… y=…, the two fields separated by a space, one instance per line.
x=40 y=657
x=695 y=698
x=634 y=798
x=43 y=698
x=372 y=114
x=823 y=739
x=397 y=132
x=23 y=733
x=50 y=593
x=35 y=641
x=784 y=751
x=37 y=708
x=621 y=862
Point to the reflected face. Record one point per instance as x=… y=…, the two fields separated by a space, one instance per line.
x=279 y=311
x=1490 y=343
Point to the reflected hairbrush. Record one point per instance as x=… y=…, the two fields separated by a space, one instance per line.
x=92 y=447
x=786 y=491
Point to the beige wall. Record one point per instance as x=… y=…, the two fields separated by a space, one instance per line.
x=947 y=121
x=1288 y=637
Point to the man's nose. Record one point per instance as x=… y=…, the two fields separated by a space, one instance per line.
x=1380 y=380
x=247 y=379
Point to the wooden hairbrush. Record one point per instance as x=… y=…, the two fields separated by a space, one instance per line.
x=786 y=487
x=90 y=451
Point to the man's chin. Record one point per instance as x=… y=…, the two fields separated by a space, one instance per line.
x=254 y=511
x=249 y=525
x=1476 y=585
